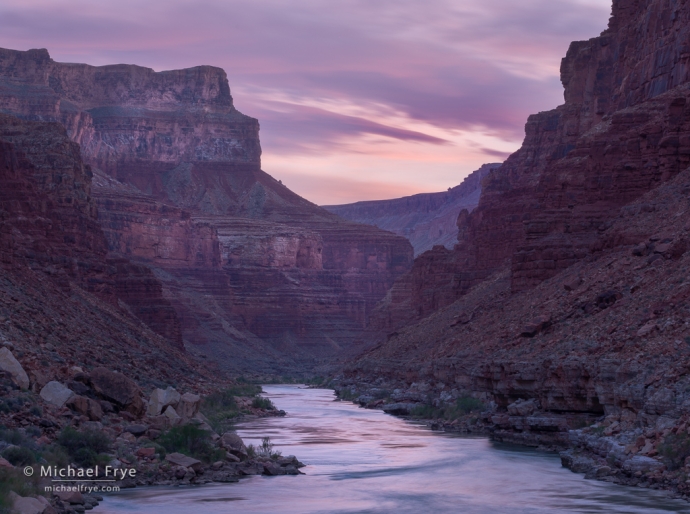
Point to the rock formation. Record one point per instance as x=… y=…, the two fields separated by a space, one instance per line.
x=621 y=132
x=426 y=219
x=563 y=306
x=63 y=300
x=256 y=274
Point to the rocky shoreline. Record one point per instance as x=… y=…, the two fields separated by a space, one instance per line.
x=99 y=424
x=607 y=448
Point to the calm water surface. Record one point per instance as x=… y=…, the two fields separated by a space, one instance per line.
x=364 y=461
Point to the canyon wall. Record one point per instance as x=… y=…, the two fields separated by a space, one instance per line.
x=426 y=219
x=260 y=278
x=64 y=301
x=561 y=315
x=621 y=132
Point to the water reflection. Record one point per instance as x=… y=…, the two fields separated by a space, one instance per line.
x=362 y=461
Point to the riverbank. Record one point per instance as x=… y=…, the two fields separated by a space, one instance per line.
x=65 y=443
x=361 y=460
x=608 y=448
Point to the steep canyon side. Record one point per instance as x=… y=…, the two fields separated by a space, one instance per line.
x=565 y=302
x=260 y=278
x=426 y=219
x=64 y=300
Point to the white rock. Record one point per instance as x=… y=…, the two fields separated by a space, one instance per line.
x=188 y=405
x=11 y=365
x=160 y=399
x=56 y=393
x=172 y=415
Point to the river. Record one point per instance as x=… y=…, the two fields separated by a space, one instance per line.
x=364 y=461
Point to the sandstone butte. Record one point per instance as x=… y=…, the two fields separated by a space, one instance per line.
x=426 y=219
x=567 y=298
x=246 y=273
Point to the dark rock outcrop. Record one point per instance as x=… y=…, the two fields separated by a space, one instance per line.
x=426 y=219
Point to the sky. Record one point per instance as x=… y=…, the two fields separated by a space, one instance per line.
x=357 y=99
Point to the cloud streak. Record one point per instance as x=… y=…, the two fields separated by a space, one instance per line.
x=437 y=80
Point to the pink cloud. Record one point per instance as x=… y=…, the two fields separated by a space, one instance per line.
x=440 y=64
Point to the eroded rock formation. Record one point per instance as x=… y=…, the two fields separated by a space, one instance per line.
x=622 y=131
x=426 y=219
x=64 y=301
x=243 y=260
x=563 y=308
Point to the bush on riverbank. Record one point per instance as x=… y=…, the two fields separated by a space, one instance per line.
x=87 y=448
x=462 y=407
x=260 y=402
x=675 y=449
x=221 y=408
x=14 y=480
x=192 y=441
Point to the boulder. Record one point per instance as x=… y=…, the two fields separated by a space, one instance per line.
x=160 y=399
x=56 y=393
x=400 y=408
x=177 y=459
x=522 y=408
x=234 y=444
x=188 y=406
x=85 y=406
x=136 y=430
x=5 y=464
x=11 y=365
x=145 y=452
x=273 y=469
x=71 y=497
x=118 y=389
x=642 y=464
x=24 y=505
x=172 y=415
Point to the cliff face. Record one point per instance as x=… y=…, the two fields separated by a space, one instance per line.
x=63 y=299
x=179 y=188
x=565 y=300
x=426 y=219
x=621 y=132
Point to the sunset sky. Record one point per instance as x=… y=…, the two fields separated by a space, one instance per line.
x=357 y=99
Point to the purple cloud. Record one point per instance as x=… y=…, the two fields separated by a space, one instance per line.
x=441 y=66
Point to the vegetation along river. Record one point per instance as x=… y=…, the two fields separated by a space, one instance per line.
x=364 y=461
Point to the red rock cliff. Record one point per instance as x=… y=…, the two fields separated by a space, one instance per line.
x=622 y=131
x=244 y=260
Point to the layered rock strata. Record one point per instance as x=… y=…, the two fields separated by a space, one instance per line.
x=622 y=131
x=563 y=308
x=426 y=219
x=180 y=189
x=63 y=300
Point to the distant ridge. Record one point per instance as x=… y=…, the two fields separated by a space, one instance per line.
x=426 y=219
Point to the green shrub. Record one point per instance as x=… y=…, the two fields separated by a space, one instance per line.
x=20 y=455
x=85 y=448
x=192 y=441
x=221 y=408
x=14 y=480
x=426 y=411
x=468 y=404
x=13 y=437
x=462 y=407
x=347 y=394
x=266 y=449
x=260 y=402
x=674 y=449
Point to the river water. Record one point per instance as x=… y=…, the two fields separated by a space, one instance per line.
x=364 y=461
